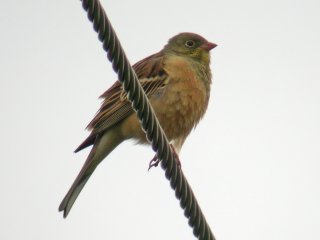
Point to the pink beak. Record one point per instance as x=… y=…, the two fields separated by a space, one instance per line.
x=208 y=46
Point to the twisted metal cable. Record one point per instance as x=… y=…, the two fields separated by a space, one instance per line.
x=149 y=121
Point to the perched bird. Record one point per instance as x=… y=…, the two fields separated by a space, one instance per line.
x=177 y=82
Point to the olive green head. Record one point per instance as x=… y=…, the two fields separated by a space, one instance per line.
x=191 y=45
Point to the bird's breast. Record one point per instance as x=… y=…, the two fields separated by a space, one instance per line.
x=183 y=102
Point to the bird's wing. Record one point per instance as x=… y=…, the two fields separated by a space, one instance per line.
x=115 y=107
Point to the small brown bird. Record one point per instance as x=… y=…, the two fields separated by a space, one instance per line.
x=177 y=82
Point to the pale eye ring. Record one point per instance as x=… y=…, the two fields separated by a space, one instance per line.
x=189 y=43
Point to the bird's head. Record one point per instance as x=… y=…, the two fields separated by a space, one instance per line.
x=191 y=45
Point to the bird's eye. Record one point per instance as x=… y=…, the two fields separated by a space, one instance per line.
x=189 y=43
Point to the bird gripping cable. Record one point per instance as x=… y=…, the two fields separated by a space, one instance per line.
x=149 y=121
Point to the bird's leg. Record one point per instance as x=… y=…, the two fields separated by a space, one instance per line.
x=176 y=156
x=155 y=161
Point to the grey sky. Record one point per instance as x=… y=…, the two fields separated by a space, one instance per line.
x=253 y=162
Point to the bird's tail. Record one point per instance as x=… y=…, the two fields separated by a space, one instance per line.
x=101 y=148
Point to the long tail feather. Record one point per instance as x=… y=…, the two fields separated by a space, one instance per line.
x=101 y=148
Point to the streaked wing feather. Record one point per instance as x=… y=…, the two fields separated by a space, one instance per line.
x=115 y=106
x=151 y=66
x=107 y=119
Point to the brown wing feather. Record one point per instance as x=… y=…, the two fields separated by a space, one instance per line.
x=116 y=107
x=150 y=67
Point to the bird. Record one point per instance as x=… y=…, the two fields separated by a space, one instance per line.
x=177 y=82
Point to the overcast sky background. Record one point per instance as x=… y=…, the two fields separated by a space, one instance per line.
x=253 y=162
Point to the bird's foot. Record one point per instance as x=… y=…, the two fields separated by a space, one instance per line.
x=155 y=161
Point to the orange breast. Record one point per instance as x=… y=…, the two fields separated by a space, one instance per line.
x=184 y=101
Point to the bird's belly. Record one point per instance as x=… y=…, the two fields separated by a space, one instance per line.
x=179 y=109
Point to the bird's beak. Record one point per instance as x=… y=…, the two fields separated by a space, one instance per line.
x=208 y=46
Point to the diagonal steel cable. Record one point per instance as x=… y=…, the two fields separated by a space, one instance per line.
x=149 y=121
